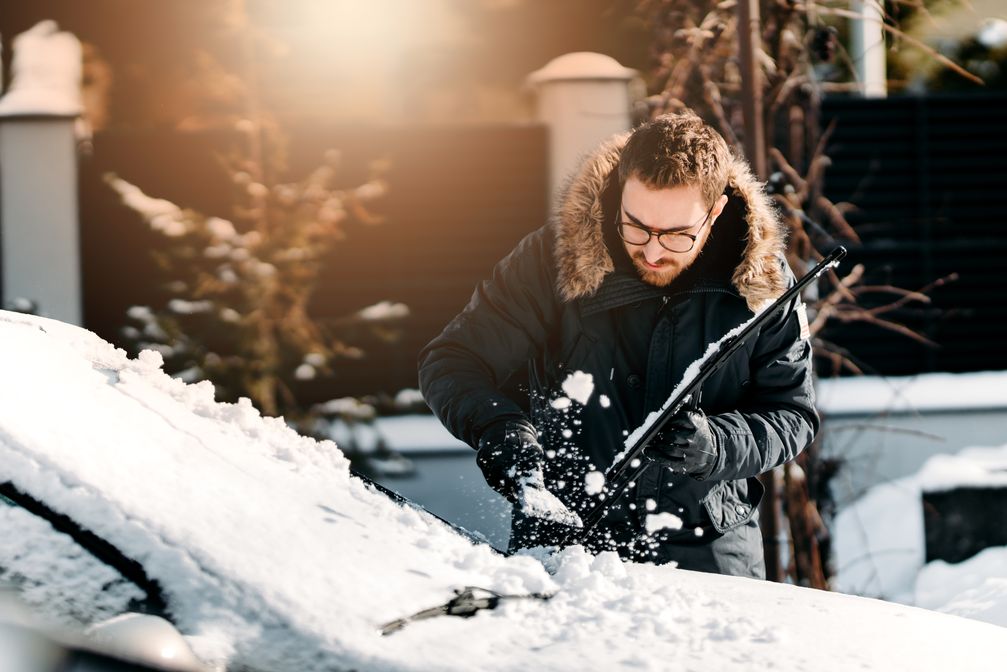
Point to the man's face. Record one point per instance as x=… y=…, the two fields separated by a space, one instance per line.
x=679 y=210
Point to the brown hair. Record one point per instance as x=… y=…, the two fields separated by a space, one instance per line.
x=677 y=149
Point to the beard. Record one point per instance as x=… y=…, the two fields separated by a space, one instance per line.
x=660 y=277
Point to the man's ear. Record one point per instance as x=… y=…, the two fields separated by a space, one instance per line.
x=718 y=208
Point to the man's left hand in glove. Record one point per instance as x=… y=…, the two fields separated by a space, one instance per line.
x=688 y=444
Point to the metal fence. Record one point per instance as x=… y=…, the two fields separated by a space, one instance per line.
x=929 y=180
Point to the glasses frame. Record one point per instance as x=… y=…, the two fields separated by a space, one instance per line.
x=651 y=233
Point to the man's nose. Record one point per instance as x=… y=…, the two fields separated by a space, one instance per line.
x=653 y=251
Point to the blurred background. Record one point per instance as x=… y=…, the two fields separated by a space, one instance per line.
x=290 y=199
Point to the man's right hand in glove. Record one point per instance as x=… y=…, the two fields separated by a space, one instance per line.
x=509 y=455
x=512 y=460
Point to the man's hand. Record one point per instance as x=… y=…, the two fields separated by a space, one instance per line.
x=687 y=445
x=509 y=455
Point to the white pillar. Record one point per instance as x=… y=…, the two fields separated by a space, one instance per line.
x=867 y=48
x=582 y=98
x=39 y=233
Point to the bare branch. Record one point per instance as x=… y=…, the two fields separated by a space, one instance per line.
x=843 y=227
x=865 y=316
x=785 y=168
x=936 y=55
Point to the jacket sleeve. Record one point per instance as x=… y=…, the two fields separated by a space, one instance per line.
x=779 y=419
x=505 y=323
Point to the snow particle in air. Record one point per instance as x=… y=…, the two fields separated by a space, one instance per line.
x=579 y=386
x=663 y=521
x=594 y=482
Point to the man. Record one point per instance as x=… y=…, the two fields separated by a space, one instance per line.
x=662 y=243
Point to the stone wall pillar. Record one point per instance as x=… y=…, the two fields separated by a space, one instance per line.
x=39 y=233
x=583 y=98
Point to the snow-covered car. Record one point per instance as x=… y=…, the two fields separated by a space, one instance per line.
x=267 y=554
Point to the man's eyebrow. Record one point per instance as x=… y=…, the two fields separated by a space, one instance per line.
x=639 y=223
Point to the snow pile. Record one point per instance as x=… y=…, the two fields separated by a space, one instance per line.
x=879 y=542
x=272 y=556
x=46 y=73
x=975 y=588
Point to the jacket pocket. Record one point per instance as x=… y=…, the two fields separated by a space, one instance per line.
x=733 y=503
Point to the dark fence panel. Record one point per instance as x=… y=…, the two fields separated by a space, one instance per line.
x=930 y=182
x=460 y=199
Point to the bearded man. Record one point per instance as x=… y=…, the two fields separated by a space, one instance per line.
x=663 y=242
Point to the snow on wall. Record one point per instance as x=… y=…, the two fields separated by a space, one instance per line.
x=867 y=395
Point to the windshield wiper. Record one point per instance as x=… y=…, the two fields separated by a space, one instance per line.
x=101 y=550
x=466 y=604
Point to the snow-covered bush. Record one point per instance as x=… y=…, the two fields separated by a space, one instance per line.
x=238 y=289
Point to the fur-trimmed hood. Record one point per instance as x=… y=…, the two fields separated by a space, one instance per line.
x=583 y=260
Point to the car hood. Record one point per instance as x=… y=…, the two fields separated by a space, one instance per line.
x=271 y=555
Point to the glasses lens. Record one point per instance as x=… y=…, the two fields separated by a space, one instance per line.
x=676 y=242
x=633 y=235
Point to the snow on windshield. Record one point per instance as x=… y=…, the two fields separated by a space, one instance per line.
x=271 y=555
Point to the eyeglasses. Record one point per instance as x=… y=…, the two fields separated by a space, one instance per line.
x=673 y=241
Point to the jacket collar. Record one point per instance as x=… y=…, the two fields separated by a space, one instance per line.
x=584 y=263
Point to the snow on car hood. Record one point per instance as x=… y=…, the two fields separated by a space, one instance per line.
x=272 y=555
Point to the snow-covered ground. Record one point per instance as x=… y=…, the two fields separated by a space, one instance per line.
x=271 y=555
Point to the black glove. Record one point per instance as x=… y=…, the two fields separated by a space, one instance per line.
x=687 y=445
x=508 y=453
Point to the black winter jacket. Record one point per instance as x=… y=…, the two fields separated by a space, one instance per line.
x=568 y=299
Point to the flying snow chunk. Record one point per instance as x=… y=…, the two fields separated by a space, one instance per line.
x=604 y=401
x=594 y=482
x=663 y=521
x=538 y=502
x=561 y=403
x=579 y=386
